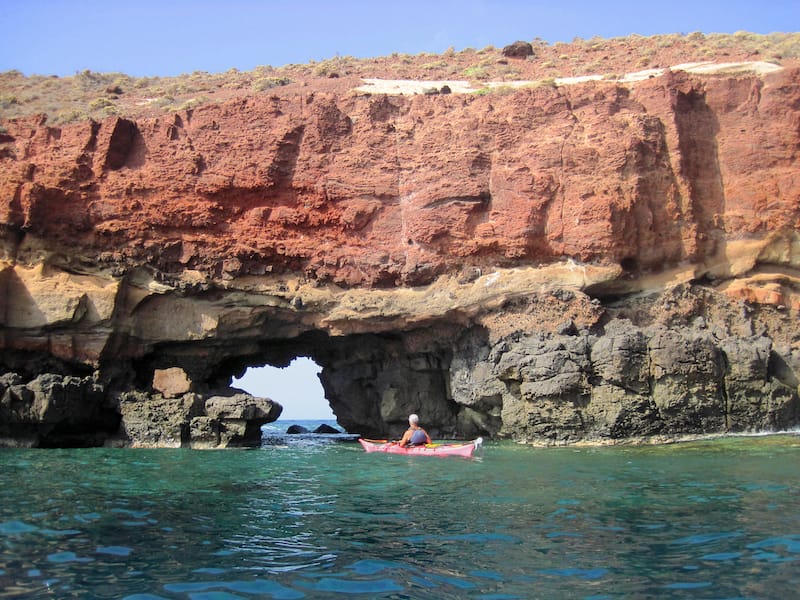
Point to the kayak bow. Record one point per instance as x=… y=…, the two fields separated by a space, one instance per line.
x=463 y=449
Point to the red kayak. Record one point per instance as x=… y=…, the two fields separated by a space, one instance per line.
x=464 y=449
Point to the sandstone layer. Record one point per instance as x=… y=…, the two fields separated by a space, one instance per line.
x=606 y=260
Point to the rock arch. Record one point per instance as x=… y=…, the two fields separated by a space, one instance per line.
x=542 y=365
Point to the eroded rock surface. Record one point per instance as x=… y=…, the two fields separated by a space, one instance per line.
x=600 y=261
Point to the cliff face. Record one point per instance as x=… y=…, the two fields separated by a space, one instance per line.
x=602 y=260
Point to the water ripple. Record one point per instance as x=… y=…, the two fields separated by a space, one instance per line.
x=579 y=573
x=347 y=586
x=114 y=550
x=689 y=585
x=790 y=542
x=707 y=538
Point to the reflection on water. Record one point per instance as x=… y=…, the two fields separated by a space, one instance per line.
x=715 y=519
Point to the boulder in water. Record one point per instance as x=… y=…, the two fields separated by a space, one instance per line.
x=325 y=428
x=295 y=429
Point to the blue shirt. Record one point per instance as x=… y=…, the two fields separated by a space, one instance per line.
x=419 y=437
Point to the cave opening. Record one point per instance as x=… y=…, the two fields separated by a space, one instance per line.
x=296 y=387
x=367 y=383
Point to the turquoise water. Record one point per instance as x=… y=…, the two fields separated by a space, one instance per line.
x=305 y=518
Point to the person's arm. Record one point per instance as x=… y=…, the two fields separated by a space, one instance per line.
x=427 y=437
x=406 y=436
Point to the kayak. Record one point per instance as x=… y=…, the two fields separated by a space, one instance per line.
x=464 y=449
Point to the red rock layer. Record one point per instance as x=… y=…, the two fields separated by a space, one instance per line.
x=390 y=191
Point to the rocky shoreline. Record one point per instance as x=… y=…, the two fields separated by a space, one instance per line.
x=654 y=369
x=636 y=381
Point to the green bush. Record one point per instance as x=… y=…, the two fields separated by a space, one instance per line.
x=504 y=90
x=100 y=103
x=475 y=73
x=327 y=68
x=69 y=116
x=266 y=83
x=192 y=103
x=8 y=101
x=432 y=66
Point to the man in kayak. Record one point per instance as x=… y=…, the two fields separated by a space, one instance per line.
x=414 y=435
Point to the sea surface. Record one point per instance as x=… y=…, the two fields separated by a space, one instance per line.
x=314 y=517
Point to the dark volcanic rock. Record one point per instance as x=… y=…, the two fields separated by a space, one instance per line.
x=518 y=49
x=626 y=382
x=54 y=410
x=326 y=429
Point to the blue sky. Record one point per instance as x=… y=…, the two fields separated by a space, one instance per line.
x=170 y=37
x=296 y=388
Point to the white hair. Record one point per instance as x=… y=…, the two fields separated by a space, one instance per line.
x=413 y=419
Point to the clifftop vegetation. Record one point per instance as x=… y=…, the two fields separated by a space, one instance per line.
x=89 y=94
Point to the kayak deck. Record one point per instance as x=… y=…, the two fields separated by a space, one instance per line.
x=463 y=449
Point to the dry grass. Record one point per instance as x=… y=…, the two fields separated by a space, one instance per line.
x=91 y=95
